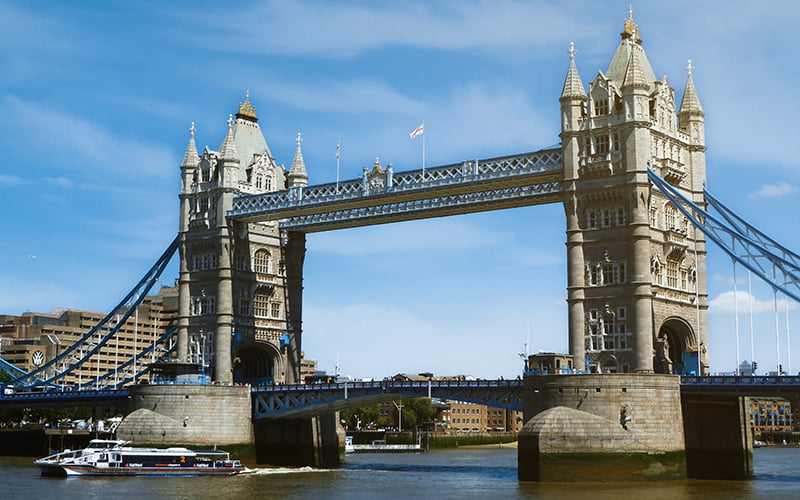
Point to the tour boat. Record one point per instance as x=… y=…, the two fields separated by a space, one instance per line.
x=115 y=458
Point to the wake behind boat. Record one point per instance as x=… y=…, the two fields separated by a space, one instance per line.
x=115 y=458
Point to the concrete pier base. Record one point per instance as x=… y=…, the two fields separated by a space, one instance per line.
x=601 y=427
x=316 y=442
x=719 y=443
x=188 y=414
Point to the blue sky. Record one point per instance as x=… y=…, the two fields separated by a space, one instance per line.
x=96 y=98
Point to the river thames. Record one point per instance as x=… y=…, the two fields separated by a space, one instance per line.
x=440 y=474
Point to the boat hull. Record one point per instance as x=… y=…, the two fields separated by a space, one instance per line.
x=55 y=470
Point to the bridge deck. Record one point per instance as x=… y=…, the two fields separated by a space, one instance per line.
x=383 y=196
x=303 y=401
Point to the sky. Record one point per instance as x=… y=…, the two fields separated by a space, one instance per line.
x=97 y=97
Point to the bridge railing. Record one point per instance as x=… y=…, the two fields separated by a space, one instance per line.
x=389 y=385
x=741 y=380
x=543 y=161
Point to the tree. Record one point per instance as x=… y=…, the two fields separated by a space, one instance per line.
x=366 y=416
x=415 y=412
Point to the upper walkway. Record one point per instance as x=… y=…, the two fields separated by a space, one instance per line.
x=383 y=196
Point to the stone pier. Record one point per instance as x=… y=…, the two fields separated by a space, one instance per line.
x=601 y=427
x=719 y=441
x=317 y=441
x=188 y=414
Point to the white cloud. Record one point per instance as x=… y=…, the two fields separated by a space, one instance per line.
x=342 y=30
x=11 y=180
x=430 y=236
x=773 y=190
x=724 y=303
x=89 y=146
x=352 y=96
x=59 y=181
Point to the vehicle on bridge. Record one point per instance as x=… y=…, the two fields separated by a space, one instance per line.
x=115 y=458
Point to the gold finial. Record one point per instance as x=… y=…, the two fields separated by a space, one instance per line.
x=377 y=167
x=630 y=28
x=246 y=109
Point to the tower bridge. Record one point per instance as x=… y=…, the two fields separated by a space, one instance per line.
x=630 y=173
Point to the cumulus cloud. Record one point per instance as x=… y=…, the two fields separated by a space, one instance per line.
x=773 y=190
x=724 y=303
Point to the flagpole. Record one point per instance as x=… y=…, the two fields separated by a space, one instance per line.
x=423 y=151
x=338 y=150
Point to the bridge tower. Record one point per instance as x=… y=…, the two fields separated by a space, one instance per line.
x=636 y=268
x=240 y=282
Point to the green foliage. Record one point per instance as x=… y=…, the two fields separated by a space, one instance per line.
x=4 y=377
x=415 y=412
x=364 y=417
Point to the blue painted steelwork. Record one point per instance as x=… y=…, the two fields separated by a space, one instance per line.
x=63 y=397
x=742 y=385
x=303 y=401
x=10 y=369
x=758 y=251
x=49 y=374
x=385 y=196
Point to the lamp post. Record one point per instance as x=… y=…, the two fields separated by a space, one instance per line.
x=399 y=415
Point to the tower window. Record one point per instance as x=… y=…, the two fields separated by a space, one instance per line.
x=672 y=273
x=261 y=305
x=601 y=144
x=262 y=262
x=669 y=217
x=244 y=306
x=601 y=107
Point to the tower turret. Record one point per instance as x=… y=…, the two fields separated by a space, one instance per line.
x=297 y=173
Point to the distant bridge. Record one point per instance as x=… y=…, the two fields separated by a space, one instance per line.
x=308 y=400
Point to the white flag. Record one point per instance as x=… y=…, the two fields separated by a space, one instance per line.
x=417 y=131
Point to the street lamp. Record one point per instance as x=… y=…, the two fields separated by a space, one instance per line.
x=399 y=415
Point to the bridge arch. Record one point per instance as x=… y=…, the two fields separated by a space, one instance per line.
x=257 y=363
x=610 y=364
x=672 y=344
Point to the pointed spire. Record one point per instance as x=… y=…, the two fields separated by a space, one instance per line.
x=297 y=174
x=573 y=87
x=690 y=104
x=191 y=158
x=634 y=76
x=227 y=151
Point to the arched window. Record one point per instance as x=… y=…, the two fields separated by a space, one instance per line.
x=669 y=217
x=262 y=262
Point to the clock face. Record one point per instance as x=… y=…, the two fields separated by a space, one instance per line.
x=37 y=358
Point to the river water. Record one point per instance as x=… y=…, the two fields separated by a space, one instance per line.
x=439 y=474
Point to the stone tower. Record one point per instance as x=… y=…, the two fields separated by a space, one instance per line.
x=636 y=267
x=236 y=308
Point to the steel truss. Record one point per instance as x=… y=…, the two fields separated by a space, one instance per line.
x=759 y=253
x=302 y=401
x=51 y=374
x=385 y=196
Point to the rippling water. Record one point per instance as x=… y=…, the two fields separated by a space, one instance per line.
x=447 y=474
